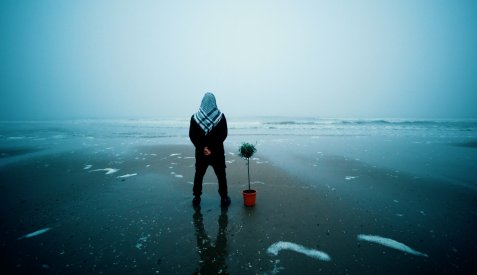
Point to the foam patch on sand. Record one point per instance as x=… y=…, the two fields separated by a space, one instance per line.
x=127 y=175
x=176 y=175
x=109 y=171
x=390 y=243
x=275 y=248
x=276 y=268
x=141 y=242
x=36 y=233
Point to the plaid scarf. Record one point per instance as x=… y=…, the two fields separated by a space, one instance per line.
x=208 y=115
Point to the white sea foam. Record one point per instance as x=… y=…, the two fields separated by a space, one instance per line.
x=141 y=242
x=87 y=166
x=109 y=171
x=16 y=138
x=36 y=233
x=350 y=178
x=179 y=176
x=275 y=248
x=390 y=243
x=276 y=268
x=127 y=175
x=175 y=154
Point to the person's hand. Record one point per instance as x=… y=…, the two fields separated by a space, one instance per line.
x=207 y=152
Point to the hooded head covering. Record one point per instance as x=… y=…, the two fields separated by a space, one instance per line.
x=208 y=115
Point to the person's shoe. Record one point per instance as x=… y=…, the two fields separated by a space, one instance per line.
x=225 y=201
x=196 y=201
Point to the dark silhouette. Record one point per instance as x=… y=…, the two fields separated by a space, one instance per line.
x=208 y=131
x=212 y=256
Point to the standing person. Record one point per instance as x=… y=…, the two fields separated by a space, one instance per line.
x=208 y=130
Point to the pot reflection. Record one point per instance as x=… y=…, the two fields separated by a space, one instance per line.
x=212 y=256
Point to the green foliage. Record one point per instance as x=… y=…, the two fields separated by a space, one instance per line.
x=247 y=150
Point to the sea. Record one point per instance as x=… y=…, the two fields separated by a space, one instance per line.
x=445 y=149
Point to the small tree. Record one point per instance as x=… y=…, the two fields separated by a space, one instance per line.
x=246 y=151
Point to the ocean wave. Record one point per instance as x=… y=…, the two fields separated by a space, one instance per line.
x=461 y=124
x=34 y=135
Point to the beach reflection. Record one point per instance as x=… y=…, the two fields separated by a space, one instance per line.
x=212 y=256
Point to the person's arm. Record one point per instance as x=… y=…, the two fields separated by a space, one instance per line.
x=196 y=134
x=223 y=130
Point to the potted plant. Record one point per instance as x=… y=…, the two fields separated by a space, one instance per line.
x=246 y=151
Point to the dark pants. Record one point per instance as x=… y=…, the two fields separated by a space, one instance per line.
x=201 y=165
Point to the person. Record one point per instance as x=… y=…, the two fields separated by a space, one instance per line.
x=208 y=131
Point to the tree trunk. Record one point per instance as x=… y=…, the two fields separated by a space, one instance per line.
x=248 y=169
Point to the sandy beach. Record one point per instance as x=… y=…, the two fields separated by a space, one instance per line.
x=109 y=213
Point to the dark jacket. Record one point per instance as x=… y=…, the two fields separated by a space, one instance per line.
x=214 y=140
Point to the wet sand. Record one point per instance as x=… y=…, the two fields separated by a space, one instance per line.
x=110 y=213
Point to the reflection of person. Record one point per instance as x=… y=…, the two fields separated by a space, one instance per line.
x=208 y=131
x=212 y=258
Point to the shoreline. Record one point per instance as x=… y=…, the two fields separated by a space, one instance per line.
x=145 y=223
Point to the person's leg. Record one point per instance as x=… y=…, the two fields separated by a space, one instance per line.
x=200 y=169
x=222 y=178
x=219 y=169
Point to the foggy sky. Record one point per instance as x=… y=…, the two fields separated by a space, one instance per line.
x=138 y=59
